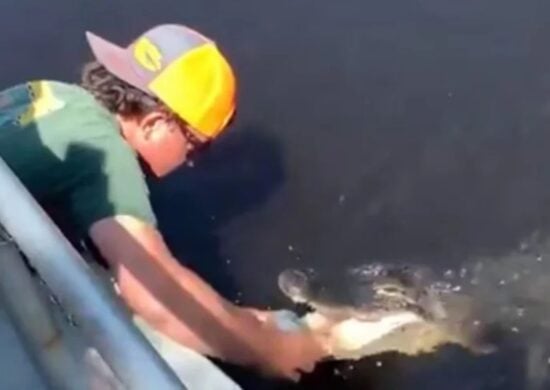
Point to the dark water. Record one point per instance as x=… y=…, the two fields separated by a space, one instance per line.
x=410 y=130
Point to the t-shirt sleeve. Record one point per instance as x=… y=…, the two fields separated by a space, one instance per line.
x=109 y=183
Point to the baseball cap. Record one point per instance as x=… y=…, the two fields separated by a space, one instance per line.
x=181 y=67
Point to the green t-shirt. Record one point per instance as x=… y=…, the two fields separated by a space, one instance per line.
x=67 y=150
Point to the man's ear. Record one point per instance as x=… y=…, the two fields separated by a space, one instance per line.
x=151 y=123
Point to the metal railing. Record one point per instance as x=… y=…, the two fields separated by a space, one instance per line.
x=104 y=321
x=28 y=310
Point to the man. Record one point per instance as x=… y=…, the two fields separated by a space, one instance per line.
x=78 y=150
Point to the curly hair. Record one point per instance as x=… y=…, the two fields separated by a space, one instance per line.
x=115 y=94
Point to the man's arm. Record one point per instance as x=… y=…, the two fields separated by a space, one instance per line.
x=175 y=301
x=171 y=297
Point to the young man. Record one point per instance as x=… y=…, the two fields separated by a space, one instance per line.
x=78 y=150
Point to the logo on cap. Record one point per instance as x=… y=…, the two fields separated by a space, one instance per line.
x=148 y=55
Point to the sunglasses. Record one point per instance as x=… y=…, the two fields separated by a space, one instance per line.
x=196 y=143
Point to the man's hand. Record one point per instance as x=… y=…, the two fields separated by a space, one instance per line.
x=284 y=354
x=291 y=354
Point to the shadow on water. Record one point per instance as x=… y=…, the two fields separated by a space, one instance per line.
x=235 y=176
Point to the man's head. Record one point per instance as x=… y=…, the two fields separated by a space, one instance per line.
x=171 y=89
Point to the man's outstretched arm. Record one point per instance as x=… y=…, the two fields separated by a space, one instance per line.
x=177 y=302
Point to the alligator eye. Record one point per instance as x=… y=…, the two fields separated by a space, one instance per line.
x=293 y=282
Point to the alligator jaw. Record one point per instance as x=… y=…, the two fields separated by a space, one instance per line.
x=354 y=334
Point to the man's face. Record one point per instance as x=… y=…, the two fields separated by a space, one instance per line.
x=164 y=142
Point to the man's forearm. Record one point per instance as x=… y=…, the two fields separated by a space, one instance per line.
x=197 y=317
x=171 y=297
x=161 y=316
